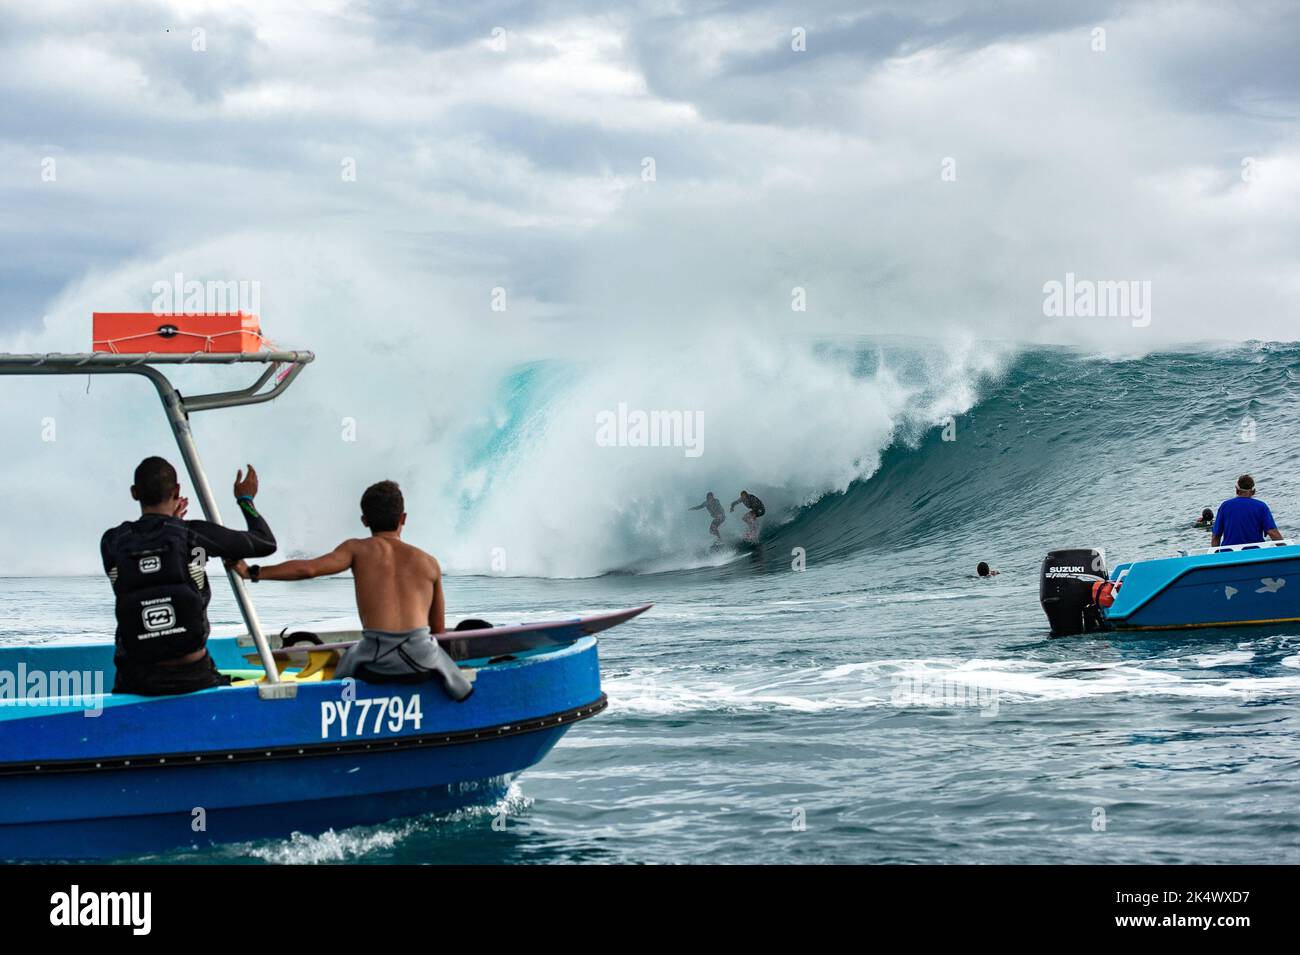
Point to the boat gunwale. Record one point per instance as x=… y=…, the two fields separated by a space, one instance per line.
x=226 y=757
x=1255 y=557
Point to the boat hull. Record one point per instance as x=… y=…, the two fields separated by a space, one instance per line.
x=202 y=807
x=147 y=775
x=1224 y=589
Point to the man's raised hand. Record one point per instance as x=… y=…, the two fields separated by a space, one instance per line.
x=246 y=486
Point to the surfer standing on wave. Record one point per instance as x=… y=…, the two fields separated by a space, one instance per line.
x=715 y=508
x=756 y=510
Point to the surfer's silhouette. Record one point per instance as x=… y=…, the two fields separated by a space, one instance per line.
x=715 y=508
x=756 y=510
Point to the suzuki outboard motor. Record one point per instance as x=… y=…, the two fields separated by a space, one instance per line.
x=1065 y=589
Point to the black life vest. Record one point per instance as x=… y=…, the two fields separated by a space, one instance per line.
x=162 y=594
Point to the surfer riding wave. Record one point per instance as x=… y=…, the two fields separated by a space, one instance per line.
x=756 y=510
x=715 y=509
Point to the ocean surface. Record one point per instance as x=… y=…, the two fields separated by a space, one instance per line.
x=883 y=704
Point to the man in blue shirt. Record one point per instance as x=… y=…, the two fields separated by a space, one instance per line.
x=1242 y=519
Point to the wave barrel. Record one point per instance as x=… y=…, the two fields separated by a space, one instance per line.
x=1065 y=587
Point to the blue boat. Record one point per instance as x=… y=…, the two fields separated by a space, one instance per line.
x=88 y=774
x=1241 y=585
x=1225 y=587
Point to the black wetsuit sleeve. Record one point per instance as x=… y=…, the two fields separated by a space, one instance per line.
x=105 y=554
x=218 y=541
x=697 y=507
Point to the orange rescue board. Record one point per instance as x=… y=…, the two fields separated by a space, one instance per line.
x=134 y=333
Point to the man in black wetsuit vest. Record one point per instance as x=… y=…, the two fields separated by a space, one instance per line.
x=157 y=566
x=756 y=510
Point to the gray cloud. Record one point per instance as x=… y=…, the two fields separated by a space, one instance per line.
x=522 y=168
x=775 y=168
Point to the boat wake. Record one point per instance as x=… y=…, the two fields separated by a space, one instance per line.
x=942 y=684
x=366 y=843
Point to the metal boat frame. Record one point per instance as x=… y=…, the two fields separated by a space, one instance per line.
x=282 y=367
x=337 y=755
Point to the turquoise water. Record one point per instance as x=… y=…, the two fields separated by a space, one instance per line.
x=883 y=705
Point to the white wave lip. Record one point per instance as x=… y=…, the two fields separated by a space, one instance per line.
x=782 y=421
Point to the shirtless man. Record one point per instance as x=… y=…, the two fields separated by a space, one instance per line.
x=399 y=597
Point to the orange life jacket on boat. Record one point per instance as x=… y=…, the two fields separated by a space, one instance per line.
x=1103 y=593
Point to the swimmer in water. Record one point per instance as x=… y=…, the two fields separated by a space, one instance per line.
x=715 y=509
x=1207 y=519
x=756 y=510
x=984 y=570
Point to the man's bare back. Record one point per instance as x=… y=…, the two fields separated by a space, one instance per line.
x=398 y=586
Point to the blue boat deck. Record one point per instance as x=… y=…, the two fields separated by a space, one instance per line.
x=1217 y=589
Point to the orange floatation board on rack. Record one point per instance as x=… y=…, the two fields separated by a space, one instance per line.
x=134 y=333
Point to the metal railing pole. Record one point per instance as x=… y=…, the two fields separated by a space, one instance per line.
x=174 y=405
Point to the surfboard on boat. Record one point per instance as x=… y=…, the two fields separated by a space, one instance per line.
x=487 y=643
x=495 y=641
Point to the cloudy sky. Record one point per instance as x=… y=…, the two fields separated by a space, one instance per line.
x=648 y=185
x=504 y=145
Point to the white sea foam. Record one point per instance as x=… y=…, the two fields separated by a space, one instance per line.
x=875 y=683
x=331 y=846
x=792 y=427
x=351 y=844
x=1228 y=658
